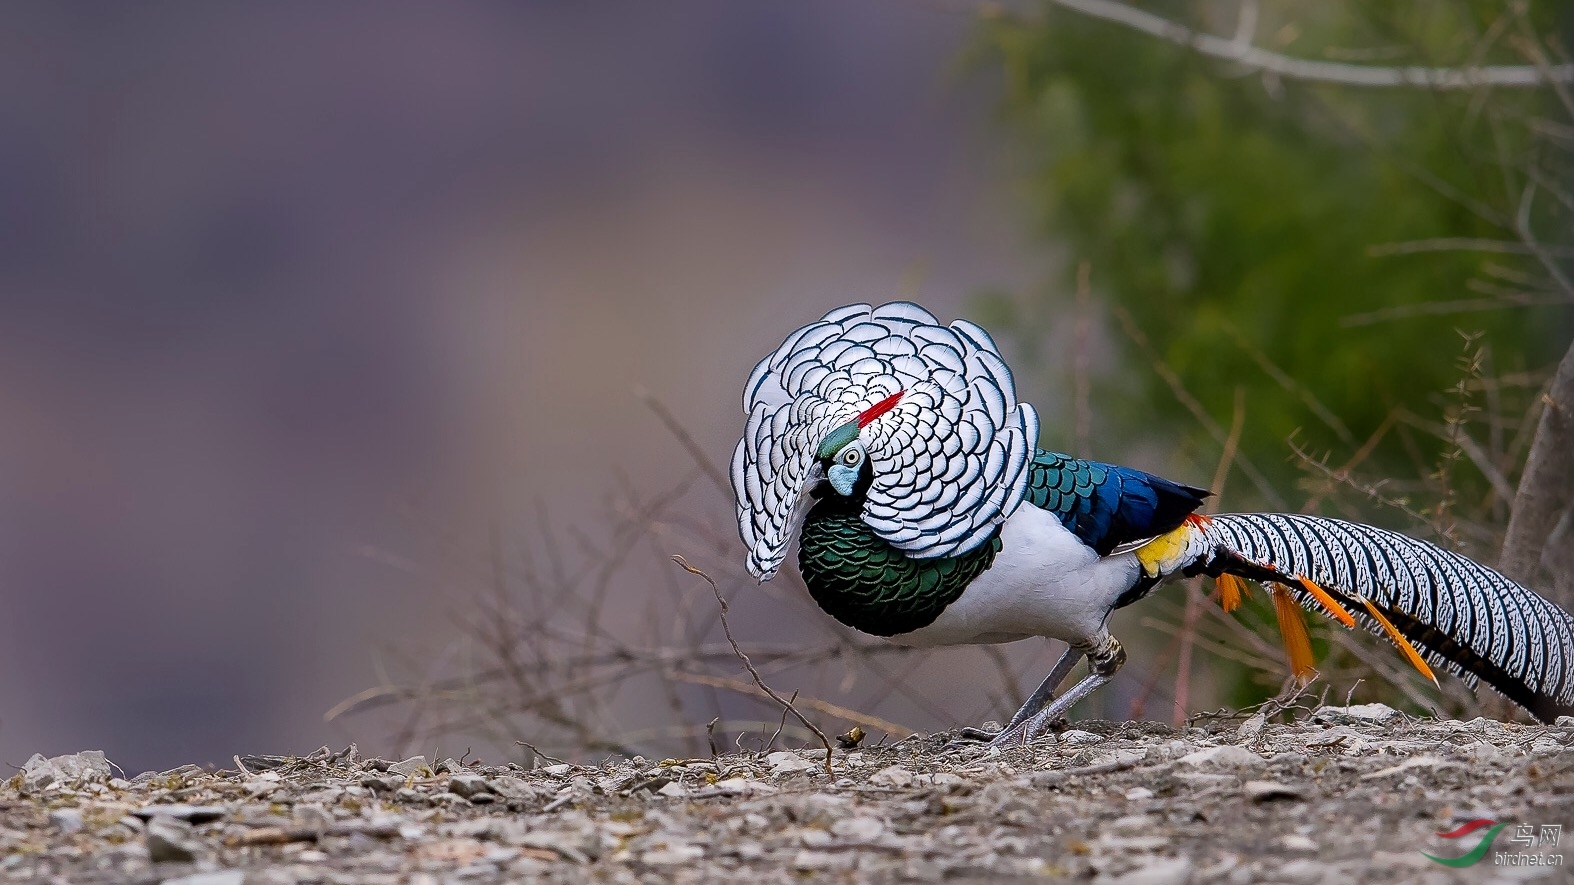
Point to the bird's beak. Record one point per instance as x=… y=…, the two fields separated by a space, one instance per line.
x=771 y=551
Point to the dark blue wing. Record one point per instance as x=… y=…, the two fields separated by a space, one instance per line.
x=1105 y=505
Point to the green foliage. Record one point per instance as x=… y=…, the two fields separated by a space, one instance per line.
x=1235 y=219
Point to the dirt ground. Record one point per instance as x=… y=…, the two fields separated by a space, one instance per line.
x=1345 y=795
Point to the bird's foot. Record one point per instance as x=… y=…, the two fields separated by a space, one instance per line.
x=1025 y=732
x=969 y=738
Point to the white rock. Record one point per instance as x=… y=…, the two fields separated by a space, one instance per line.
x=170 y=839
x=783 y=762
x=217 y=877
x=1297 y=842
x=1078 y=738
x=1355 y=714
x=674 y=790
x=467 y=785
x=858 y=829
x=893 y=776
x=1228 y=756
x=558 y=770
x=673 y=855
x=1268 y=791
x=1136 y=794
x=1159 y=871
x=413 y=765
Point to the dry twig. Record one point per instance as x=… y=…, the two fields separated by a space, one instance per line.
x=787 y=705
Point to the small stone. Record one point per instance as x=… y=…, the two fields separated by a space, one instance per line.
x=893 y=776
x=1077 y=738
x=415 y=765
x=1308 y=871
x=674 y=790
x=1297 y=842
x=858 y=829
x=672 y=855
x=1355 y=714
x=1159 y=871
x=1565 y=721
x=217 y=877
x=783 y=762
x=467 y=785
x=1137 y=794
x=560 y=769
x=1228 y=756
x=1270 y=791
x=513 y=788
x=171 y=839
x=814 y=838
x=814 y=860
x=66 y=820
x=195 y=814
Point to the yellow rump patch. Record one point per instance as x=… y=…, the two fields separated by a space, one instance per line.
x=1163 y=554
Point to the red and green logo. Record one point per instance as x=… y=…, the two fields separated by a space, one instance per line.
x=1474 y=855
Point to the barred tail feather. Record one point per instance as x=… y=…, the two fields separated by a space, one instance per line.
x=1460 y=615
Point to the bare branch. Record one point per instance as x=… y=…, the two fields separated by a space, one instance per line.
x=727 y=629
x=1243 y=53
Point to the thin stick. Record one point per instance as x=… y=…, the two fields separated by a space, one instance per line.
x=695 y=450
x=532 y=748
x=1242 y=52
x=727 y=629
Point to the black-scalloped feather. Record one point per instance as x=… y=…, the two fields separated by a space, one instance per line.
x=869 y=585
x=1459 y=614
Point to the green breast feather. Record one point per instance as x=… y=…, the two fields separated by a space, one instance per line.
x=867 y=584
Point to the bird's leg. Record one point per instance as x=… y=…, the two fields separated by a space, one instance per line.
x=1046 y=689
x=1041 y=696
x=1105 y=656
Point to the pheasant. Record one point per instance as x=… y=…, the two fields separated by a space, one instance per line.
x=894 y=449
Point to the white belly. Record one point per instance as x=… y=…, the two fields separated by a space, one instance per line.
x=1044 y=582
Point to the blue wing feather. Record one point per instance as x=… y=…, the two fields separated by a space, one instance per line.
x=1105 y=505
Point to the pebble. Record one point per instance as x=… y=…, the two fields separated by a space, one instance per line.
x=195 y=814
x=858 y=829
x=1355 y=714
x=782 y=762
x=218 y=877
x=1078 y=738
x=467 y=785
x=892 y=776
x=415 y=765
x=1269 y=791
x=1227 y=756
x=171 y=839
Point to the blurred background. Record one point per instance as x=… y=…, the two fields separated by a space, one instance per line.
x=382 y=354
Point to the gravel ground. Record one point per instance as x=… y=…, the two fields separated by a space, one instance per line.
x=1348 y=795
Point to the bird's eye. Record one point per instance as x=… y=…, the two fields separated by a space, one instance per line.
x=851 y=457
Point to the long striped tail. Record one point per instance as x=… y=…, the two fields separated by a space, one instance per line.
x=1442 y=607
